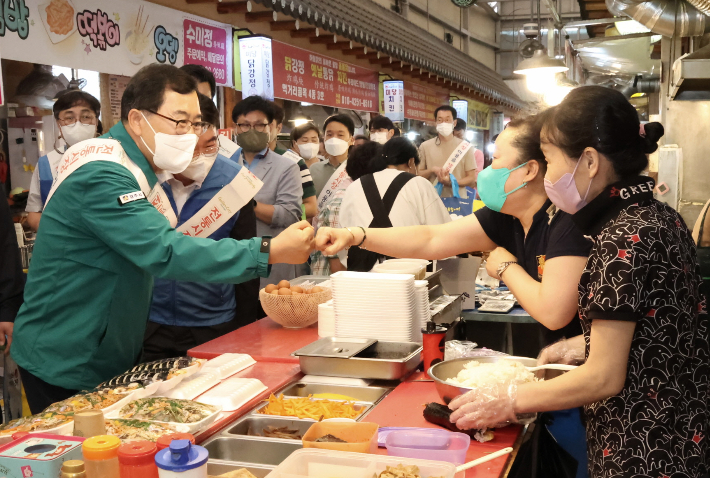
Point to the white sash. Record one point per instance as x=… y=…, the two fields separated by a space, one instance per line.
x=337 y=180
x=227 y=147
x=292 y=156
x=456 y=157
x=208 y=219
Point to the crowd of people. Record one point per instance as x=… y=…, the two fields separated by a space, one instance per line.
x=570 y=223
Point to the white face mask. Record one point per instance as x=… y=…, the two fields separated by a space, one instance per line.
x=336 y=147
x=308 y=150
x=379 y=137
x=77 y=132
x=200 y=167
x=173 y=152
x=445 y=129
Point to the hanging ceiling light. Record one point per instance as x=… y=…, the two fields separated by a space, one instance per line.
x=540 y=71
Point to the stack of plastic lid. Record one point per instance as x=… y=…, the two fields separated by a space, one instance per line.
x=233 y=393
x=421 y=291
x=227 y=365
x=326 y=319
x=375 y=306
x=192 y=387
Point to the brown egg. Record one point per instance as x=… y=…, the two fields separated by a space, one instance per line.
x=270 y=288
x=296 y=293
x=316 y=289
x=284 y=284
x=297 y=289
x=284 y=291
x=274 y=292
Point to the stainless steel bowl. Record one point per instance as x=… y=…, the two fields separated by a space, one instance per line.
x=443 y=371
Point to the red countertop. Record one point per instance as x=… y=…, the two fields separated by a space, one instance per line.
x=404 y=407
x=264 y=340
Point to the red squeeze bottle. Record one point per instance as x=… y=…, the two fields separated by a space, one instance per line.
x=433 y=352
x=137 y=460
x=164 y=441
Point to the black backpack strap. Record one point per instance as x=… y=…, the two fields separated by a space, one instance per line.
x=393 y=191
x=380 y=215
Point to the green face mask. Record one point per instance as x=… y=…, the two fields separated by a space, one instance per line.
x=491 y=186
x=253 y=141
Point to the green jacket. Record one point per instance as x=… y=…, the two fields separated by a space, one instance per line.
x=89 y=287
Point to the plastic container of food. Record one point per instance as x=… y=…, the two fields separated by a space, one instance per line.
x=192 y=428
x=429 y=445
x=194 y=386
x=101 y=456
x=165 y=440
x=234 y=393
x=182 y=460
x=137 y=460
x=227 y=365
x=360 y=437
x=313 y=463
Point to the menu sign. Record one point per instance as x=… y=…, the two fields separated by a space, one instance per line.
x=208 y=46
x=420 y=102
x=257 y=73
x=394 y=100
x=301 y=75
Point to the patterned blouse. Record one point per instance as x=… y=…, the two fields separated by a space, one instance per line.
x=643 y=268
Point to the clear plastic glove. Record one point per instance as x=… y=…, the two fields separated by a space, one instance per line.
x=485 y=407
x=566 y=351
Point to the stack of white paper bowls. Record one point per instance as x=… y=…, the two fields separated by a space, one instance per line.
x=326 y=319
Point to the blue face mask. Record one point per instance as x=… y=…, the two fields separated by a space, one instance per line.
x=491 y=186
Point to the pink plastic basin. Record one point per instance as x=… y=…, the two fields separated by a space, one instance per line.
x=429 y=445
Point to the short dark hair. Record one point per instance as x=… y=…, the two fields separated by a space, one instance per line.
x=202 y=75
x=396 y=151
x=603 y=119
x=253 y=103
x=299 y=131
x=146 y=90
x=209 y=111
x=279 y=113
x=74 y=98
x=343 y=119
x=381 y=122
x=527 y=139
x=359 y=159
x=445 y=108
x=397 y=132
x=361 y=136
x=459 y=125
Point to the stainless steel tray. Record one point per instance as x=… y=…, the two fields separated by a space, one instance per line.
x=364 y=406
x=334 y=347
x=360 y=394
x=216 y=467
x=250 y=451
x=382 y=361
x=256 y=423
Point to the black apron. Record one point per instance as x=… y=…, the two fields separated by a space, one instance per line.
x=361 y=260
x=704 y=258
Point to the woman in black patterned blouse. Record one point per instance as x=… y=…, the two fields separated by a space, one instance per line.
x=645 y=385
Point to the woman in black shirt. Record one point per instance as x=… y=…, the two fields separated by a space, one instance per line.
x=645 y=385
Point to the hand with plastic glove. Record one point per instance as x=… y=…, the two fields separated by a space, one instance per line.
x=566 y=351
x=485 y=407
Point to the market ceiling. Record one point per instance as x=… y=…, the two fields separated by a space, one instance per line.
x=370 y=31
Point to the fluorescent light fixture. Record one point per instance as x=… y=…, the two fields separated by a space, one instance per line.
x=303 y=103
x=300 y=121
x=469 y=135
x=629 y=27
x=491 y=148
x=412 y=135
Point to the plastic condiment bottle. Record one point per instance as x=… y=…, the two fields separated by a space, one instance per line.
x=182 y=460
x=73 y=469
x=101 y=456
x=165 y=440
x=137 y=460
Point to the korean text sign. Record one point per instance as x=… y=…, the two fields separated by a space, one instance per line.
x=209 y=46
x=301 y=75
x=257 y=71
x=394 y=100
x=420 y=102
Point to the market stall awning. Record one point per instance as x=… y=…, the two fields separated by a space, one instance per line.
x=385 y=38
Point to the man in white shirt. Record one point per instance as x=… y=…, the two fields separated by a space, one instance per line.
x=435 y=153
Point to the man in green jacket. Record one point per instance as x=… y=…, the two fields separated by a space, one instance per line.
x=89 y=288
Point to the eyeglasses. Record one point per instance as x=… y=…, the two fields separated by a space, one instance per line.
x=181 y=126
x=202 y=127
x=86 y=119
x=208 y=151
x=244 y=127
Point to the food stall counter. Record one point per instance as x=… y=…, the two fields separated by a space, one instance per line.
x=274 y=375
x=264 y=340
x=404 y=407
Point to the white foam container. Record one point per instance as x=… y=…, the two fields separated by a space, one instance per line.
x=192 y=428
x=167 y=385
x=194 y=386
x=65 y=429
x=227 y=365
x=316 y=463
x=233 y=393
